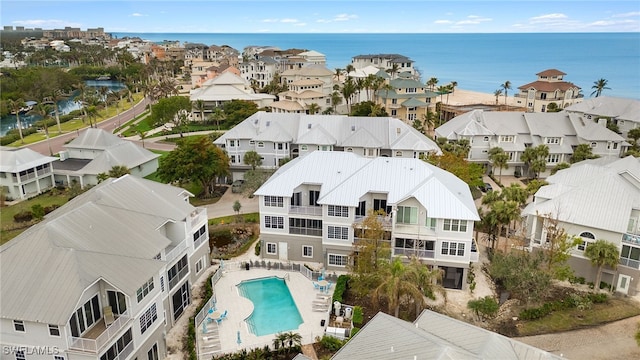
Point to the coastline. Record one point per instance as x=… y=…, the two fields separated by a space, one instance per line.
x=470 y=97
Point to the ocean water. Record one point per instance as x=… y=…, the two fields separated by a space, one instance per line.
x=478 y=62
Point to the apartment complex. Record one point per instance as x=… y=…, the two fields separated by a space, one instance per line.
x=550 y=87
x=313 y=207
x=392 y=62
x=105 y=276
x=621 y=112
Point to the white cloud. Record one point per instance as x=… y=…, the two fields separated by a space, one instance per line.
x=300 y=24
x=443 y=22
x=270 y=20
x=46 y=23
x=345 y=17
x=289 y=21
x=629 y=14
x=137 y=15
x=548 y=18
x=473 y=20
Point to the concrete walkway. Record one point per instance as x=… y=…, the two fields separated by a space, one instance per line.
x=224 y=206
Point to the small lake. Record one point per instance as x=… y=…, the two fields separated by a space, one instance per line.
x=64 y=106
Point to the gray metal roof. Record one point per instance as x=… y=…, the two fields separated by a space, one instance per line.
x=621 y=108
x=94 y=138
x=109 y=233
x=346 y=177
x=338 y=130
x=16 y=160
x=432 y=336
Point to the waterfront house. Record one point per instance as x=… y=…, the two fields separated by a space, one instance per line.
x=276 y=137
x=105 y=276
x=622 y=112
x=97 y=151
x=24 y=173
x=593 y=199
x=311 y=209
x=407 y=99
x=515 y=131
x=386 y=62
x=550 y=87
x=311 y=84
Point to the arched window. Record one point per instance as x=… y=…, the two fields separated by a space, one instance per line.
x=585 y=235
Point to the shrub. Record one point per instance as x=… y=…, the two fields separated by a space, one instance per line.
x=600 y=298
x=49 y=209
x=331 y=343
x=354 y=331
x=485 y=307
x=358 y=316
x=257 y=249
x=38 y=211
x=341 y=287
x=23 y=216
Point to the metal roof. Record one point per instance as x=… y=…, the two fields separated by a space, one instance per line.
x=94 y=138
x=345 y=177
x=14 y=161
x=109 y=233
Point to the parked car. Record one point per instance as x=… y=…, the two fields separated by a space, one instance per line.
x=486 y=187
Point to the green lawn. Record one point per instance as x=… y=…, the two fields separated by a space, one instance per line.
x=248 y=218
x=6 y=215
x=571 y=319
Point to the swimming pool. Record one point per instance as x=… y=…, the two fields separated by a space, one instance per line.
x=273 y=307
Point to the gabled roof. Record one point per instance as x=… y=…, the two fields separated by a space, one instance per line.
x=621 y=108
x=549 y=86
x=338 y=130
x=346 y=177
x=94 y=138
x=433 y=337
x=109 y=233
x=309 y=70
x=126 y=153
x=550 y=72
x=413 y=102
x=16 y=160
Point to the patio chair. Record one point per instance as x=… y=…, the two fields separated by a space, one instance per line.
x=108 y=316
x=224 y=315
x=316 y=286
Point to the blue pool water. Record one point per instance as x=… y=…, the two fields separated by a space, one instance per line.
x=273 y=307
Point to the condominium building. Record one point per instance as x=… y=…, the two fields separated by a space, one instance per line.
x=550 y=87
x=24 y=173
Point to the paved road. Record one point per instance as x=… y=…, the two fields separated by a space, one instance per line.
x=56 y=143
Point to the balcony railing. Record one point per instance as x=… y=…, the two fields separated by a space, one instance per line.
x=176 y=279
x=384 y=220
x=95 y=345
x=631 y=239
x=306 y=210
x=196 y=217
x=420 y=254
x=305 y=231
x=635 y=264
x=200 y=240
x=175 y=252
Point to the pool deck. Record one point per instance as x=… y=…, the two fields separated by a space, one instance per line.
x=223 y=338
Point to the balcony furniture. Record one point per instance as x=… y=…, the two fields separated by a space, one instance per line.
x=108 y=316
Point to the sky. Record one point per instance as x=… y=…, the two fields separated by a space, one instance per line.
x=327 y=16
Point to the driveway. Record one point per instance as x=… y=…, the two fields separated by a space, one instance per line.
x=224 y=206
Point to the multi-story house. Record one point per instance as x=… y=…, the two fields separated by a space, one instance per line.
x=276 y=137
x=25 y=173
x=97 y=151
x=550 y=87
x=515 y=131
x=407 y=99
x=385 y=62
x=312 y=209
x=103 y=277
x=593 y=199
x=261 y=70
x=311 y=84
x=624 y=113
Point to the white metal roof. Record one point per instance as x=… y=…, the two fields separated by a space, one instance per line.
x=14 y=161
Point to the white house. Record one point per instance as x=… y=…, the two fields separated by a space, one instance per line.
x=310 y=84
x=549 y=87
x=277 y=137
x=594 y=199
x=24 y=173
x=104 y=276
x=385 y=62
x=625 y=113
x=515 y=131
x=311 y=207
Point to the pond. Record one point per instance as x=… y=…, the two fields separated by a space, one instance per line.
x=65 y=106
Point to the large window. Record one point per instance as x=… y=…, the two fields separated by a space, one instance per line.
x=309 y=227
x=274 y=222
x=18 y=325
x=452 y=248
x=178 y=271
x=630 y=256
x=407 y=215
x=338 y=260
x=340 y=211
x=553 y=140
x=273 y=201
x=455 y=225
x=117 y=301
x=296 y=199
x=148 y=318
x=338 y=232
x=85 y=316
x=199 y=233
x=118 y=347
x=430 y=223
x=181 y=299
x=553 y=158
x=506 y=138
x=584 y=243
x=307 y=251
x=314 y=195
x=144 y=290
x=152 y=354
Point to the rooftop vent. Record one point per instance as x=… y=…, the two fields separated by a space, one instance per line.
x=308 y=126
x=268 y=123
x=353 y=128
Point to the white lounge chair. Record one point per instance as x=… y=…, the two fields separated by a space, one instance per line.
x=108 y=316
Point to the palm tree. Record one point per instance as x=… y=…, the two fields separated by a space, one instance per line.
x=338 y=73
x=499 y=159
x=15 y=106
x=200 y=106
x=118 y=171
x=602 y=253
x=348 y=89
x=453 y=86
x=497 y=94
x=217 y=115
x=432 y=83
x=397 y=281
x=44 y=110
x=599 y=86
x=506 y=87
x=336 y=100
x=55 y=97
x=515 y=192
x=393 y=70
x=313 y=108
x=504 y=212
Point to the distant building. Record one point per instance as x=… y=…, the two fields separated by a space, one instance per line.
x=311 y=84
x=550 y=87
x=25 y=173
x=395 y=63
x=407 y=99
x=624 y=113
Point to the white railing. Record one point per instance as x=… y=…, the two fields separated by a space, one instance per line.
x=631 y=239
x=196 y=217
x=175 y=252
x=179 y=276
x=200 y=240
x=420 y=254
x=91 y=345
x=306 y=210
x=125 y=352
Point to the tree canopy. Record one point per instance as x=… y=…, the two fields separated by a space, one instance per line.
x=471 y=173
x=197 y=160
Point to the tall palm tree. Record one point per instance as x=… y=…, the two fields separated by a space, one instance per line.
x=602 y=253
x=498 y=158
x=217 y=115
x=44 y=110
x=338 y=74
x=336 y=100
x=15 y=106
x=393 y=70
x=55 y=97
x=497 y=94
x=348 y=89
x=599 y=86
x=432 y=83
x=506 y=87
x=200 y=106
x=453 y=86
x=397 y=281
x=313 y=108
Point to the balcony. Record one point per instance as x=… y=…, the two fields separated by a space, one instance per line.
x=176 y=279
x=99 y=335
x=634 y=264
x=305 y=231
x=386 y=221
x=176 y=251
x=306 y=210
x=197 y=216
x=420 y=254
x=631 y=239
x=200 y=240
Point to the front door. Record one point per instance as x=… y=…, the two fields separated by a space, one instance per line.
x=623 y=284
x=283 y=251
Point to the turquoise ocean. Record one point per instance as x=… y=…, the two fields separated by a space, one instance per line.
x=478 y=62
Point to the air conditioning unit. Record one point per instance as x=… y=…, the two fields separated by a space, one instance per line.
x=64 y=155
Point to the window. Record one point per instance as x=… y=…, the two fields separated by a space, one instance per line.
x=394 y=112
x=452 y=248
x=307 y=251
x=118 y=347
x=303 y=148
x=233 y=159
x=338 y=232
x=594 y=144
x=260 y=144
x=582 y=246
x=144 y=290
x=85 y=316
x=455 y=225
x=117 y=301
x=153 y=353
x=337 y=260
x=58 y=357
x=54 y=330
x=232 y=143
x=553 y=140
x=273 y=201
x=407 y=215
x=339 y=211
x=177 y=272
x=398 y=153
x=271 y=249
x=612 y=146
x=553 y=158
x=200 y=232
x=18 y=325
x=506 y=138
x=309 y=227
x=313 y=197
x=20 y=355
x=162 y=283
x=148 y=318
x=274 y=222
x=430 y=223
x=296 y=199
x=198 y=266
x=349 y=150
x=181 y=299
x=252 y=142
